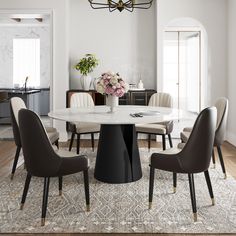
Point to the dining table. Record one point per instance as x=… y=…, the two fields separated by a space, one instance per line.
x=118 y=158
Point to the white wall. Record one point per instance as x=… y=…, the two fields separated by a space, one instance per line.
x=124 y=42
x=232 y=71
x=60 y=45
x=212 y=14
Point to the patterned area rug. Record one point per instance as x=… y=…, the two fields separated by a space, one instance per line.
x=119 y=208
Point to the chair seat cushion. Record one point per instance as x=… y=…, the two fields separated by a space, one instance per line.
x=53 y=136
x=66 y=154
x=151 y=128
x=71 y=165
x=50 y=129
x=188 y=129
x=167 y=160
x=184 y=136
x=87 y=127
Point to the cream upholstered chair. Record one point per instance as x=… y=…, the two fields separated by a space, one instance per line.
x=163 y=128
x=82 y=100
x=16 y=104
x=222 y=114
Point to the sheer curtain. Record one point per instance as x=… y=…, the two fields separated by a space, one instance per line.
x=26 y=62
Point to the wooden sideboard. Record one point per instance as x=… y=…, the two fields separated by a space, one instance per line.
x=132 y=97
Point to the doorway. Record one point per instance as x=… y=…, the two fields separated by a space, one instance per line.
x=182 y=68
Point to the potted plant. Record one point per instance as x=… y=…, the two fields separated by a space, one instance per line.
x=85 y=66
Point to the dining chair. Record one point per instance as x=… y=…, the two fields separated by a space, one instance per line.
x=16 y=103
x=79 y=100
x=193 y=158
x=161 y=128
x=41 y=160
x=222 y=106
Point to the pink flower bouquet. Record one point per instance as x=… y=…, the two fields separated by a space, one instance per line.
x=112 y=84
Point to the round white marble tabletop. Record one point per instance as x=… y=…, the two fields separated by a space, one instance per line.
x=101 y=114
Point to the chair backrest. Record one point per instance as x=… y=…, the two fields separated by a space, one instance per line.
x=222 y=106
x=81 y=100
x=40 y=158
x=161 y=100
x=16 y=104
x=196 y=155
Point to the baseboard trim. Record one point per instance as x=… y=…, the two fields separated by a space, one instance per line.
x=231 y=138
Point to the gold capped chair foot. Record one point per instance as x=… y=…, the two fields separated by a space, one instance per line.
x=42 y=221
x=195 y=217
x=174 y=189
x=213 y=201
x=150 y=206
x=225 y=176
x=87 y=207
x=60 y=192
x=21 y=206
x=12 y=176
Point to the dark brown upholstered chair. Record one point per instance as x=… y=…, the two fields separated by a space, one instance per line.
x=193 y=158
x=42 y=161
x=222 y=106
x=78 y=100
x=161 y=128
x=16 y=104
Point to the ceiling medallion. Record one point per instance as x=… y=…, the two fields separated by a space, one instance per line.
x=121 y=5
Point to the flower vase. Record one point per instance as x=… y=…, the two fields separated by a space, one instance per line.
x=112 y=102
x=86 y=82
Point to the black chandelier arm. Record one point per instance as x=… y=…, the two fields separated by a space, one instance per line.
x=100 y=5
x=140 y=4
x=129 y=5
x=129 y=9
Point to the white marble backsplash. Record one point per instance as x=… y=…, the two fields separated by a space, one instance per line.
x=7 y=34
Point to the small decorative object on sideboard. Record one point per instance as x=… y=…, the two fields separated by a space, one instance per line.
x=85 y=66
x=113 y=86
x=140 y=84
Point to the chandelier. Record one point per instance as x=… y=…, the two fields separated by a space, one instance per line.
x=121 y=5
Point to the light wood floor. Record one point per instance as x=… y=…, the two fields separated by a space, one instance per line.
x=7 y=152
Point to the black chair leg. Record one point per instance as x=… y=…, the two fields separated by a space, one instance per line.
x=151 y=185
x=208 y=180
x=15 y=161
x=71 y=141
x=170 y=140
x=57 y=144
x=163 y=141
x=25 y=191
x=78 y=143
x=221 y=160
x=174 y=182
x=193 y=197
x=86 y=189
x=213 y=158
x=149 y=142
x=60 y=185
x=45 y=200
x=92 y=141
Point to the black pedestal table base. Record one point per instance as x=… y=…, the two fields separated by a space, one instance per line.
x=118 y=158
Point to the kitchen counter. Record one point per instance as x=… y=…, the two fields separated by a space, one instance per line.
x=21 y=91
x=36 y=100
